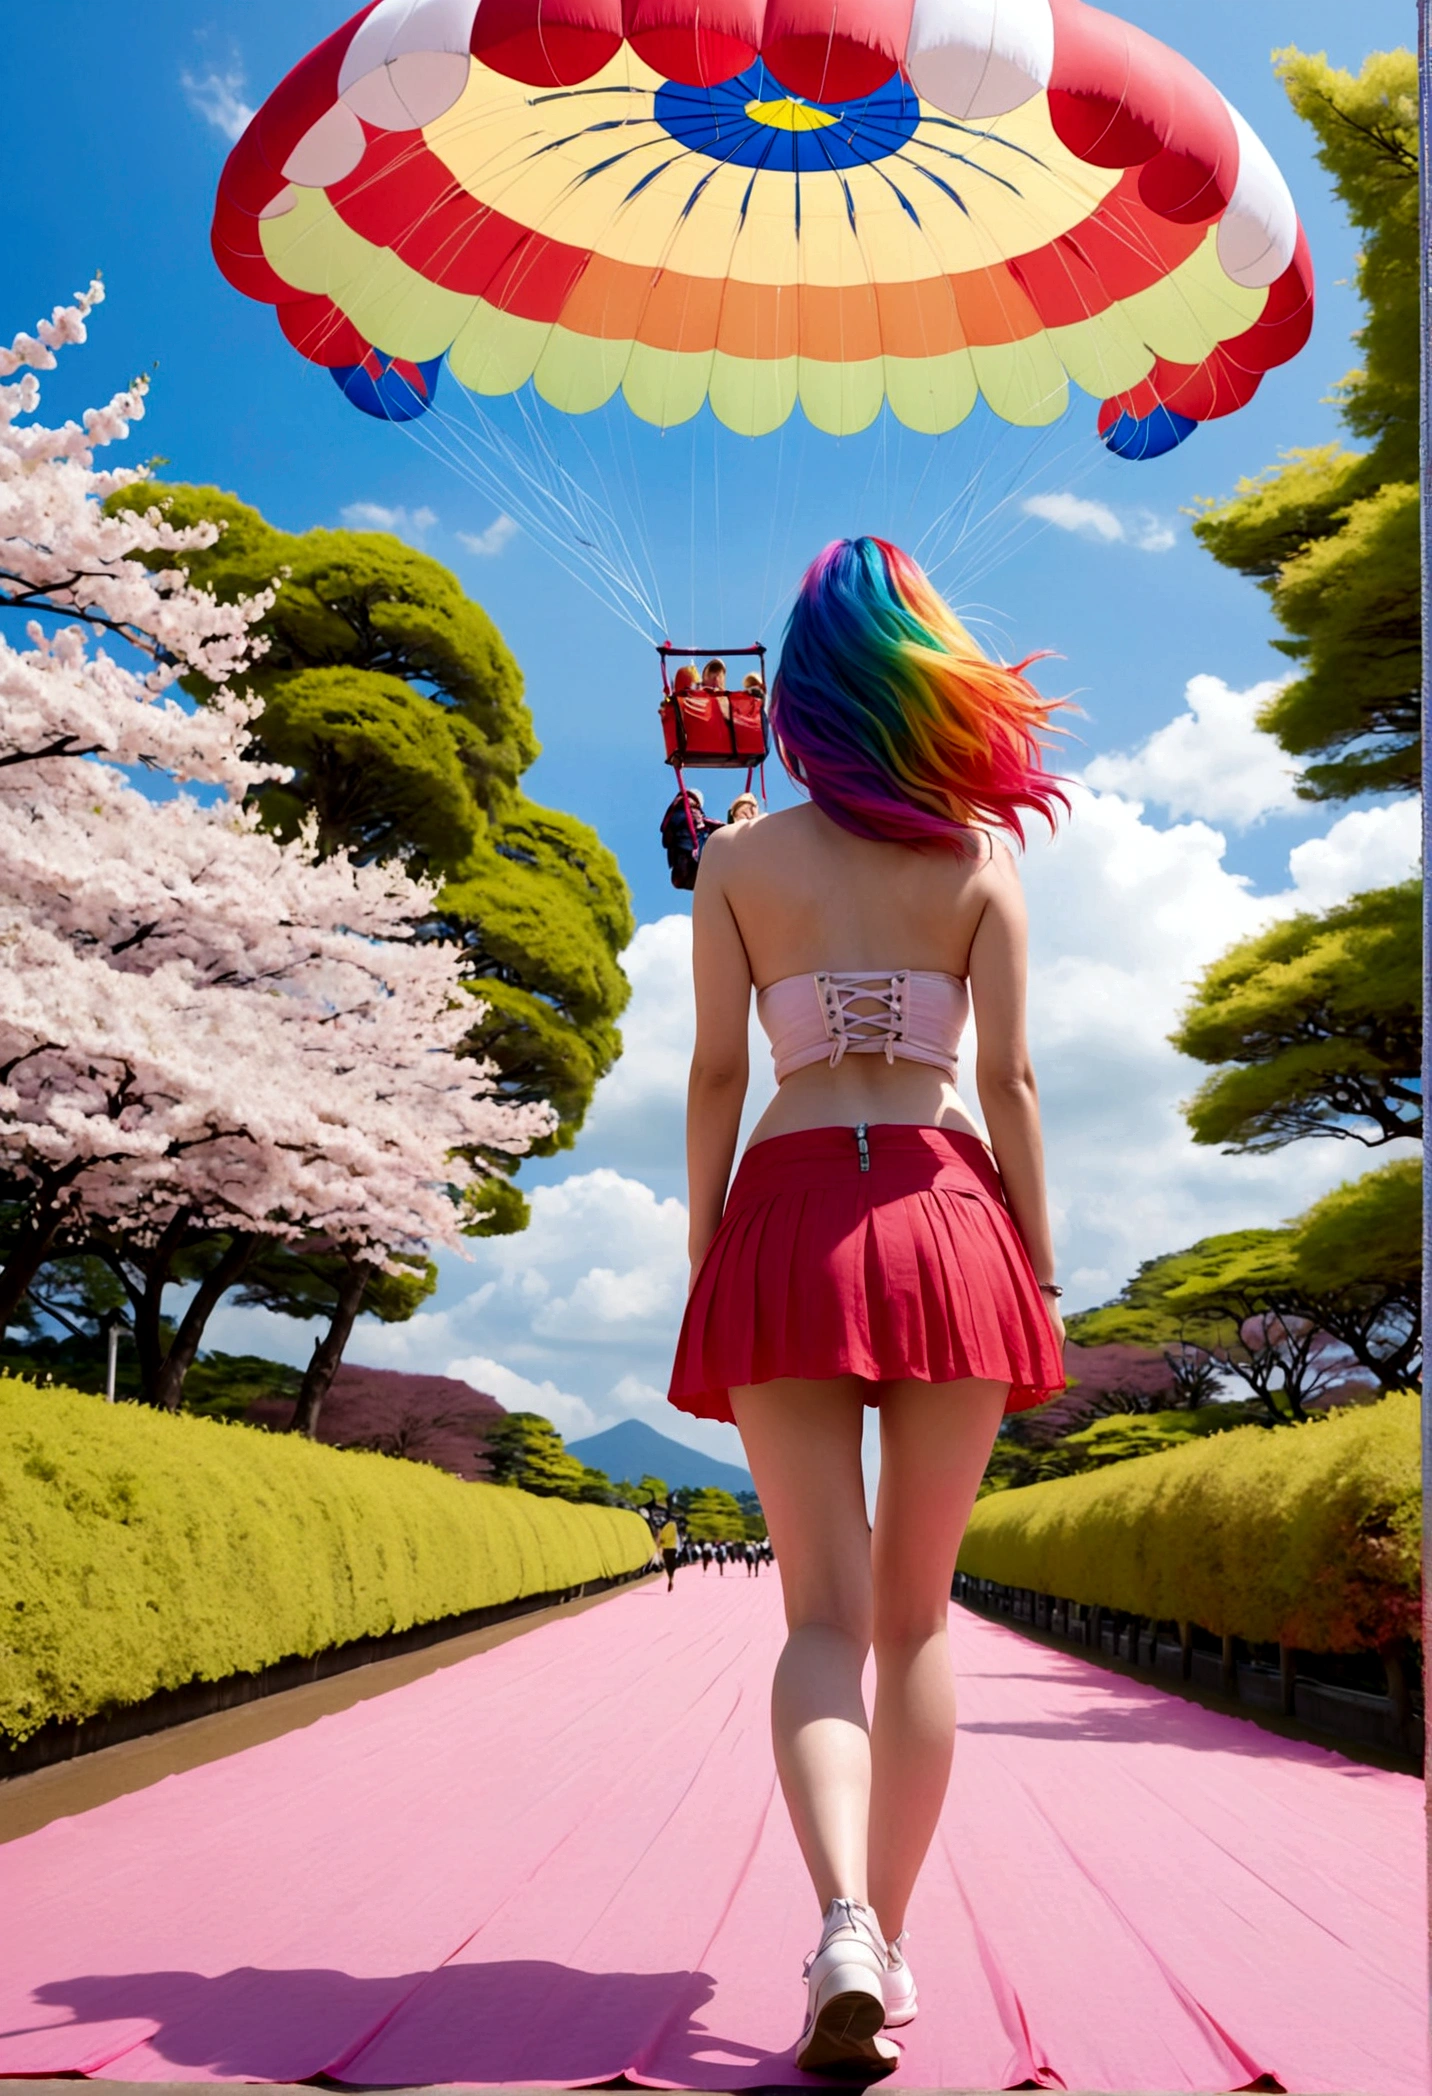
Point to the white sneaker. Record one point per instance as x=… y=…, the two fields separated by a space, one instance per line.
x=902 y=2000
x=845 y=2000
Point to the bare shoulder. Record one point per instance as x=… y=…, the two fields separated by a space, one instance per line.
x=752 y=844
x=1001 y=866
x=995 y=888
x=996 y=866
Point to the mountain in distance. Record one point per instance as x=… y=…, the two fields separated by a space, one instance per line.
x=633 y=1451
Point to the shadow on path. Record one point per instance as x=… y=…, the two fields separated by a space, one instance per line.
x=515 y=2020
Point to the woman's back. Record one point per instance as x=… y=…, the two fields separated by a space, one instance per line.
x=806 y=897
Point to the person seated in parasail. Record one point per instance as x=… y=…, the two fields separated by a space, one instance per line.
x=754 y=681
x=683 y=836
x=685 y=681
x=713 y=680
x=745 y=808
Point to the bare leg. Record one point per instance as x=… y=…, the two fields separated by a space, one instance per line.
x=802 y=1442
x=935 y=1440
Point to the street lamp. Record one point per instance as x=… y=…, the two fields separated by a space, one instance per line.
x=113 y=1326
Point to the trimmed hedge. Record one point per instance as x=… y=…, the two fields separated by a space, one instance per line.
x=141 y=1550
x=1306 y=1536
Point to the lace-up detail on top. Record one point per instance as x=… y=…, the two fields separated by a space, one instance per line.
x=915 y=1014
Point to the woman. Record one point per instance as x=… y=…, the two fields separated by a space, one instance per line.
x=872 y=1249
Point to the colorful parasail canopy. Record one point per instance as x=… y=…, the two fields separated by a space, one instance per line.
x=769 y=203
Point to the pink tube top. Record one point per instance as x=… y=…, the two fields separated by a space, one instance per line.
x=912 y=1013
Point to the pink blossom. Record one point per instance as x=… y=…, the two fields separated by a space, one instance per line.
x=194 y=1015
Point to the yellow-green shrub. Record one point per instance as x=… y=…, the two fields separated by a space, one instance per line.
x=140 y=1550
x=1306 y=1535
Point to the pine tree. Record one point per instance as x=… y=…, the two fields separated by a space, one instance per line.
x=1332 y=533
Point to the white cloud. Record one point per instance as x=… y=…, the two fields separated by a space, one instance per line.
x=602 y=1264
x=1211 y=761
x=638 y=1111
x=1123 y=918
x=487 y=544
x=570 y=1415
x=1370 y=848
x=1090 y=520
x=1096 y=520
x=218 y=98
x=637 y=1120
x=379 y=516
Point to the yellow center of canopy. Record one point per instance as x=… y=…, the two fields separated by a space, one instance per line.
x=790 y=116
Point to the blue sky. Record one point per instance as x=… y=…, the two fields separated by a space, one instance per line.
x=112 y=165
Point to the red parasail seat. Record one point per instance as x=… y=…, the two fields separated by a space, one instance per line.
x=715 y=731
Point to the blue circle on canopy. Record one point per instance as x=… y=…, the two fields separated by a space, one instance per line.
x=390 y=388
x=1148 y=436
x=787 y=134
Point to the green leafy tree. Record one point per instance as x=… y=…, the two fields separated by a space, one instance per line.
x=1232 y=1299
x=750 y=1505
x=400 y=710
x=1356 y=1255
x=1121 y=1438
x=541 y=912
x=526 y=1451
x=1286 y=1310
x=1332 y=533
x=713 y=1516
x=227 y=1386
x=1316 y=1026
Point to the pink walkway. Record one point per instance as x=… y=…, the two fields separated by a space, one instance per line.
x=565 y=1859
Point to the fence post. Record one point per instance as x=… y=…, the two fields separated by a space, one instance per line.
x=1228 y=1672
x=1185 y=1651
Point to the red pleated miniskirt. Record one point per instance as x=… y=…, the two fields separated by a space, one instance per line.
x=911 y=1268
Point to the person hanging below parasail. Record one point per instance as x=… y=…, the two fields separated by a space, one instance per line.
x=684 y=829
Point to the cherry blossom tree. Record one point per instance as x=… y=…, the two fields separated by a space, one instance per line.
x=203 y=1028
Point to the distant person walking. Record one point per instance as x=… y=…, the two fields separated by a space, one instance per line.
x=669 y=1542
x=872 y=1249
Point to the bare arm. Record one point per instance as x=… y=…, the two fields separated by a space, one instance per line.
x=716 y=1090
x=1004 y=1074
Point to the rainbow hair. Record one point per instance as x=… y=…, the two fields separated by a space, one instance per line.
x=891 y=717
